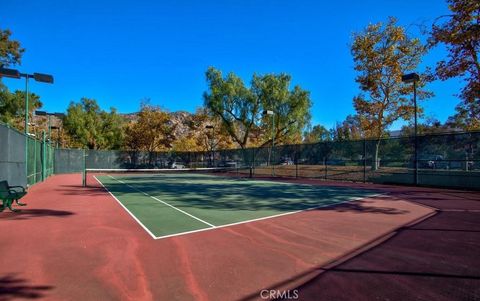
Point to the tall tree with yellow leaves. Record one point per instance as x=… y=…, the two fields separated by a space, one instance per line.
x=152 y=132
x=382 y=53
x=460 y=33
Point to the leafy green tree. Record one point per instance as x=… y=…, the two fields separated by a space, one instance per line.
x=240 y=108
x=10 y=50
x=317 y=133
x=460 y=33
x=467 y=116
x=233 y=103
x=382 y=53
x=92 y=127
x=291 y=107
x=12 y=107
x=429 y=126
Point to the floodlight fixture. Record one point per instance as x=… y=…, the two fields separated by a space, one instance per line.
x=44 y=113
x=39 y=77
x=12 y=73
x=40 y=113
x=410 y=78
x=43 y=78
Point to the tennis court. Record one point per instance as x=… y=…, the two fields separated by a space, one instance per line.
x=183 y=202
x=317 y=253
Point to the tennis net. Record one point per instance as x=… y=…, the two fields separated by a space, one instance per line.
x=90 y=174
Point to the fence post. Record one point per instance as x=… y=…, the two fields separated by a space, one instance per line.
x=34 y=175
x=252 y=168
x=325 y=164
x=364 y=160
x=44 y=156
x=52 y=158
x=296 y=160
x=84 y=176
x=415 y=175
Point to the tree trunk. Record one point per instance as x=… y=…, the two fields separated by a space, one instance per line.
x=269 y=156
x=376 y=160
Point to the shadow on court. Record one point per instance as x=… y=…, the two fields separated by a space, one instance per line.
x=79 y=190
x=33 y=213
x=14 y=288
x=247 y=195
x=436 y=259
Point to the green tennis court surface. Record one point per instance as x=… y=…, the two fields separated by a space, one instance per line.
x=173 y=204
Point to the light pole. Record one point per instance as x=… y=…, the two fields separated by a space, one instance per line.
x=212 y=146
x=271 y=113
x=39 y=77
x=413 y=78
x=50 y=127
x=58 y=134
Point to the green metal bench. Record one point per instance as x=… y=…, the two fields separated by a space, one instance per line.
x=8 y=194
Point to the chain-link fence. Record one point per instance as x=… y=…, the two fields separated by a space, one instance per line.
x=445 y=160
x=13 y=168
x=69 y=161
x=12 y=156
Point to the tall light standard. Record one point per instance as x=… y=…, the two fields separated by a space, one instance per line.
x=271 y=113
x=413 y=78
x=45 y=173
x=212 y=146
x=39 y=77
x=50 y=127
x=58 y=134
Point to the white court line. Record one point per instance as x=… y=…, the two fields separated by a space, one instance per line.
x=237 y=223
x=150 y=169
x=131 y=214
x=271 y=216
x=157 y=199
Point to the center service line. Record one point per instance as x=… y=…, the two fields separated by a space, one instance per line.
x=158 y=200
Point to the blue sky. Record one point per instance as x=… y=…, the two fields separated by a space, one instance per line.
x=120 y=52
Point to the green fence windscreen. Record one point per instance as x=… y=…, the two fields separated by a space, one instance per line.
x=445 y=160
x=18 y=168
x=448 y=160
x=12 y=156
x=69 y=161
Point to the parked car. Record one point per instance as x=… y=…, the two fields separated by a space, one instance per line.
x=176 y=165
x=286 y=161
x=227 y=163
x=433 y=161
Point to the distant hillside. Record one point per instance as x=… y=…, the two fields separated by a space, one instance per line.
x=181 y=120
